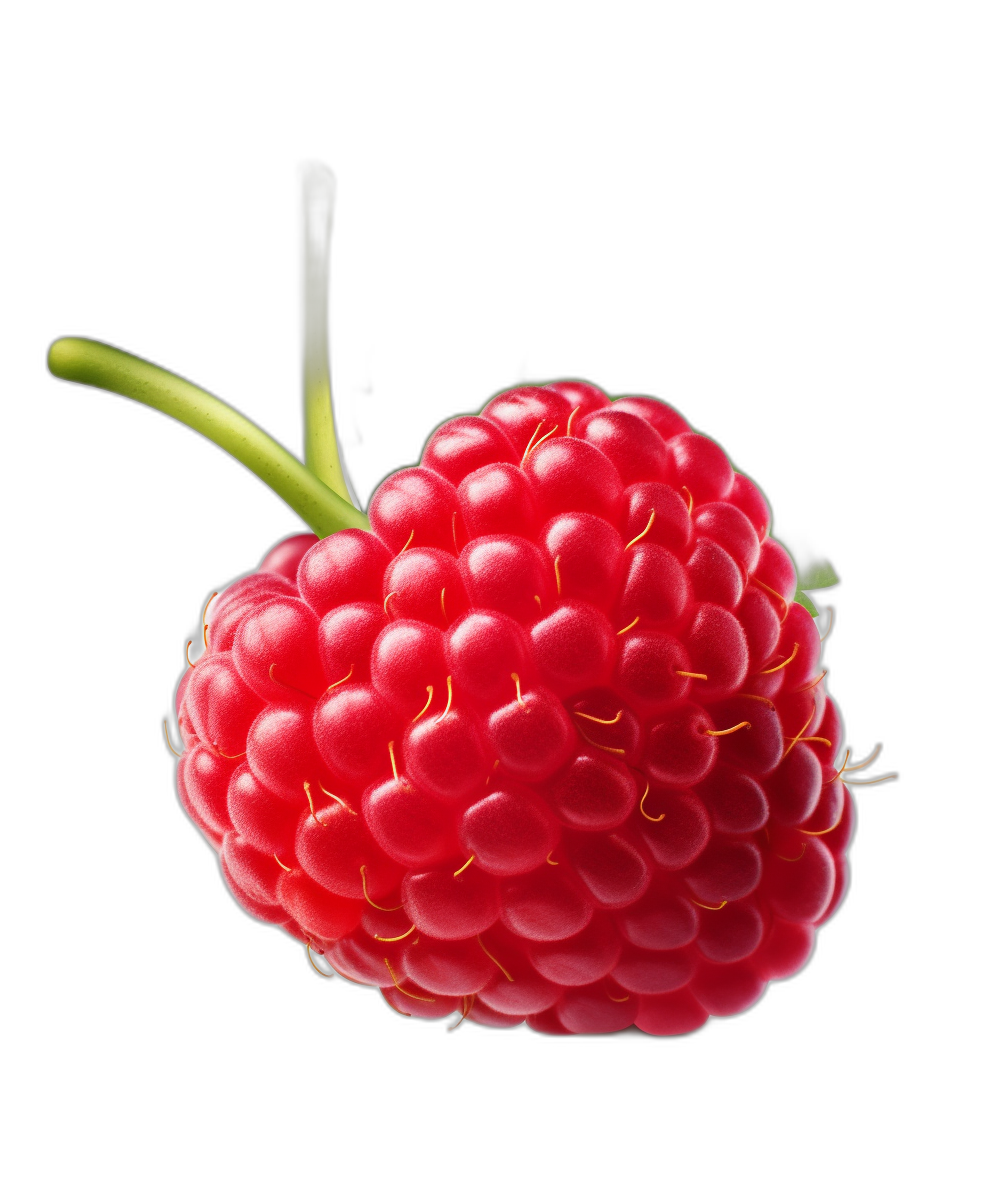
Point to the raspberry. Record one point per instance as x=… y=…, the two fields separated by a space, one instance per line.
x=516 y=753
x=549 y=742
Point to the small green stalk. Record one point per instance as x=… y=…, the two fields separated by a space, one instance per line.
x=321 y=445
x=92 y=363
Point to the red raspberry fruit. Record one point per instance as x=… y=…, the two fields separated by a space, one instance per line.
x=551 y=744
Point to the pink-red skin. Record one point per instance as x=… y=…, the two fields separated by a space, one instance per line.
x=467 y=756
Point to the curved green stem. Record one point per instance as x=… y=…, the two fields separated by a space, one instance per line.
x=321 y=446
x=93 y=363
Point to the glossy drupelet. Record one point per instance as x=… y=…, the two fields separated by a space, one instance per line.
x=552 y=744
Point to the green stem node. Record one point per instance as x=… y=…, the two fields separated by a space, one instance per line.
x=93 y=363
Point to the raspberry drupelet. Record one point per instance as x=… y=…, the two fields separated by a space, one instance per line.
x=551 y=744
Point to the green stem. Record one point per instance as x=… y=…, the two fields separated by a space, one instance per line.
x=321 y=446
x=79 y=359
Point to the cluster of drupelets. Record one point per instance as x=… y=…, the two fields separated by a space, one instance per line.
x=551 y=744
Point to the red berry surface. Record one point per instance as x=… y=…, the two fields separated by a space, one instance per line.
x=550 y=744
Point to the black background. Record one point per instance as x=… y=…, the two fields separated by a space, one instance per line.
x=766 y=298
